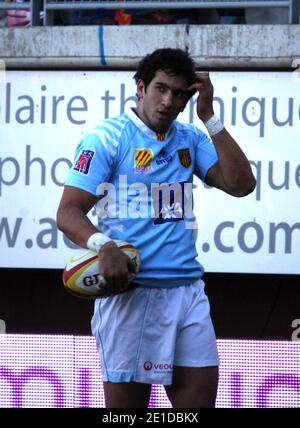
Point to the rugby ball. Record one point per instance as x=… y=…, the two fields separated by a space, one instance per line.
x=81 y=273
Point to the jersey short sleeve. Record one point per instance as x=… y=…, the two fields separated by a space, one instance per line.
x=205 y=154
x=93 y=162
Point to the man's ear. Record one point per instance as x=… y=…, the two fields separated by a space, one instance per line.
x=140 y=89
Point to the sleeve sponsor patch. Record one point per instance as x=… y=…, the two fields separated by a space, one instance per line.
x=83 y=163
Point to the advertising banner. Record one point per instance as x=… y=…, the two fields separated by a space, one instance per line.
x=61 y=371
x=44 y=114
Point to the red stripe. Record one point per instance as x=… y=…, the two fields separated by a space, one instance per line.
x=139 y=154
x=144 y=154
x=68 y=273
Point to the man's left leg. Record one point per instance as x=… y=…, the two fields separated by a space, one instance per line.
x=126 y=395
x=193 y=387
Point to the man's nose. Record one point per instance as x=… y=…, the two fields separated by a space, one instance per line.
x=167 y=99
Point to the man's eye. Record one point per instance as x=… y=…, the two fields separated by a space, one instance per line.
x=180 y=94
x=161 y=89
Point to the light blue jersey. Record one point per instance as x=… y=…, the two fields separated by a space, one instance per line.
x=143 y=181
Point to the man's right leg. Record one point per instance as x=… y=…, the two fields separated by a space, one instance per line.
x=126 y=394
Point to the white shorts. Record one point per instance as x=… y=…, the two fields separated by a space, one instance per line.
x=143 y=333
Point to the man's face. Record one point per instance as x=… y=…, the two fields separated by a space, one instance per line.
x=165 y=97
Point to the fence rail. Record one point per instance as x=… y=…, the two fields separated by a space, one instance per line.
x=50 y=6
x=34 y=6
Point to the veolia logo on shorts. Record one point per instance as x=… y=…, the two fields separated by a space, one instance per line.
x=157 y=366
x=147 y=365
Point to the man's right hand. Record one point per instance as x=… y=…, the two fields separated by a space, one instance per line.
x=115 y=268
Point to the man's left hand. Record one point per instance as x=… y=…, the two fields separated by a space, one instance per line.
x=205 y=99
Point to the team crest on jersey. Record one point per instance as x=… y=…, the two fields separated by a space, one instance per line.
x=160 y=137
x=184 y=157
x=84 y=161
x=143 y=160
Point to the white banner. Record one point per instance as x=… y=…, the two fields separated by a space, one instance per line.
x=44 y=114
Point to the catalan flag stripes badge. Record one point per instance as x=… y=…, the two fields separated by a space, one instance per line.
x=142 y=159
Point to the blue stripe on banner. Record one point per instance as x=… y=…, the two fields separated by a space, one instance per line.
x=101 y=45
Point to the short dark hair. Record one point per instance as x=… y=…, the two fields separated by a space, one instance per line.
x=171 y=61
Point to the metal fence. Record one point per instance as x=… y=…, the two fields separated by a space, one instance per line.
x=50 y=6
x=34 y=6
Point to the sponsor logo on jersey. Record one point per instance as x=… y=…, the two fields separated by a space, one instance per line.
x=184 y=157
x=142 y=160
x=169 y=202
x=84 y=161
x=163 y=157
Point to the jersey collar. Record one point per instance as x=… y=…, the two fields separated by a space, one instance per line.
x=145 y=129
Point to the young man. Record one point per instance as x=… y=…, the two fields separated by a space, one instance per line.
x=159 y=332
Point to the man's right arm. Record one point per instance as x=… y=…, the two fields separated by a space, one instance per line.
x=72 y=217
x=72 y=220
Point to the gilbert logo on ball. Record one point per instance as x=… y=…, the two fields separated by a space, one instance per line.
x=81 y=274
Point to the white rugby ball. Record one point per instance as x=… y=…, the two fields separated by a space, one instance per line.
x=81 y=273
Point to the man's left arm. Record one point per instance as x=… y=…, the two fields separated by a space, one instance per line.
x=232 y=173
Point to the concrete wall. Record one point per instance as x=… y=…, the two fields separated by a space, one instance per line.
x=218 y=46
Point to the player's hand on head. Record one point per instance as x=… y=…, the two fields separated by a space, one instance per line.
x=205 y=90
